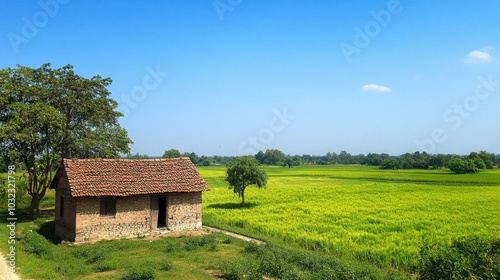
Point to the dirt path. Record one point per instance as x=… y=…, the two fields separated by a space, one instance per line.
x=5 y=273
x=239 y=236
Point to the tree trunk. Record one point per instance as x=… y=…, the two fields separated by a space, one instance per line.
x=243 y=198
x=35 y=204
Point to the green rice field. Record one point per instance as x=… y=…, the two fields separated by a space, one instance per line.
x=359 y=212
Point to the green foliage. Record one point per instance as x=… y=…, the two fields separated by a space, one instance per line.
x=137 y=156
x=91 y=254
x=192 y=156
x=167 y=265
x=252 y=247
x=172 y=153
x=195 y=159
x=487 y=158
x=465 y=258
x=437 y=161
x=274 y=157
x=49 y=114
x=208 y=241
x=242 y=172
x=34 y=243
x=478 y=161
x=390 y=163
x=232 y=271
x=292 y=161
x=104 y=266
x=283 y=263
x=271 y=157
x=3 y=165
x=143 y=273
x=463 y=166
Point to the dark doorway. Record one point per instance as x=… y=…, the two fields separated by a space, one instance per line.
x=162 y=212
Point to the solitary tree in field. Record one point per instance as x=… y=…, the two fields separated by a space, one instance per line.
x=242 y=172
x=48 y=114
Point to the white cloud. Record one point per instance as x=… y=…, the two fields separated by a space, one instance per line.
x=481 y=55
x=376 y=88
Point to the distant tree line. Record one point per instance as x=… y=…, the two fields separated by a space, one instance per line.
x=198 y=160
x=277 y=157
x=471 y=163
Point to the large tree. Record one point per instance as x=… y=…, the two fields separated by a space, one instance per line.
x=48 y=114
x=242 y=172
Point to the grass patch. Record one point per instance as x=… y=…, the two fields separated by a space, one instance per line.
x=38 y=257
x=139 y=274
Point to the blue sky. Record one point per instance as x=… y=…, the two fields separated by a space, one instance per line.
x=229 y=77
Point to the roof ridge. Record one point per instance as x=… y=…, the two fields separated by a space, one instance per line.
x=124 y=159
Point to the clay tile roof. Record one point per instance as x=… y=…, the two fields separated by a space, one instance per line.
x=125 y=177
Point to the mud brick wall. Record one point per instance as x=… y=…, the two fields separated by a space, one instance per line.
x=131 y=219
x=82 y=221
x=65 y=224
x=184 y=211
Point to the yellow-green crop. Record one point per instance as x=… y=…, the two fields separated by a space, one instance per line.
x=360 y=212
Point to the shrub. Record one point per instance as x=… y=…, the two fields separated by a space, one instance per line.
x=140 y=274
x=167 y=265
x=465 y=258
x=71 y=270
x=103 y=266
x=191 y=244
x=209 y=241
x=251 y=247
x=232 y=271
x=169 y=247
x=34 y=243
x=91 y=254
x=194 y=243
x=283 y=263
